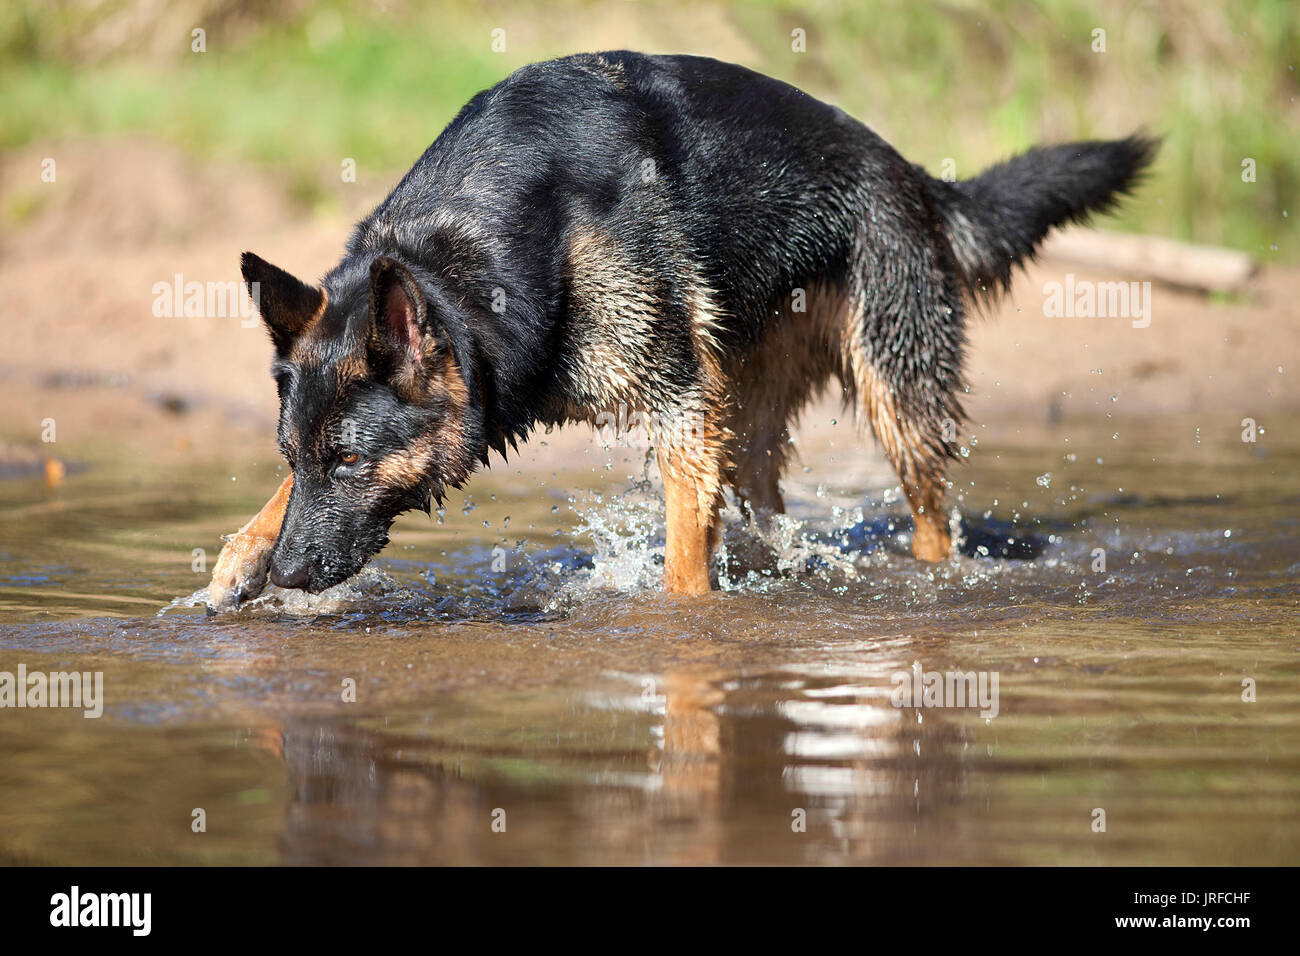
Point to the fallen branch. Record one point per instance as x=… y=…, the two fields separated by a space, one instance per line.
x=1180 y=264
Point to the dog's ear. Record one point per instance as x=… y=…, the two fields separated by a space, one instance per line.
x=287 y=305
x=403 y=342
x=399 y=313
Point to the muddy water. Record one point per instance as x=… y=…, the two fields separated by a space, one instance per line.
x=525 y=694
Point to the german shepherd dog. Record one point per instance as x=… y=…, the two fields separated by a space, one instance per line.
x=668 y=234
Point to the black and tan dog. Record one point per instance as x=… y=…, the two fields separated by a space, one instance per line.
x=670 y=234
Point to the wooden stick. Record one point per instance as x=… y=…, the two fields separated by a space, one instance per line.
x=1179 y=264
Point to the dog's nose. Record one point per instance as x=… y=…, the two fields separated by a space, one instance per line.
x=294 y=577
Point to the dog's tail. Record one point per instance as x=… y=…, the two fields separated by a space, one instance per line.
x=997 y=219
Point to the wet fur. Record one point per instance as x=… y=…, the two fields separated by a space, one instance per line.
x=673 y=235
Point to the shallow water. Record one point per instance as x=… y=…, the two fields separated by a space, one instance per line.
x=525 y=694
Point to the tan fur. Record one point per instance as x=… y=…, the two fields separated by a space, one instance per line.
x=450 y=383
x=407 y=467
x=410 y=467
x=614 y=313
x=689 y=538
x=306 y=351
x=242 y=566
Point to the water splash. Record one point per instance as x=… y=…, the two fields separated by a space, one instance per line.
x=368 y=585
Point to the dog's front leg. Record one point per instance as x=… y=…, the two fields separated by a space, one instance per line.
x=245 y=559
x=693 y=497
x=686 y=556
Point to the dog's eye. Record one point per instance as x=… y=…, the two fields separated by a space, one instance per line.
x=347 y=461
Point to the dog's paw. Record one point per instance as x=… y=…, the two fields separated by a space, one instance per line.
x=240 y=573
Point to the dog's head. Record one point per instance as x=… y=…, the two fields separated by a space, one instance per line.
x=376 y=412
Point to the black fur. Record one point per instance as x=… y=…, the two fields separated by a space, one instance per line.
x=996 y=220
x=701 y=174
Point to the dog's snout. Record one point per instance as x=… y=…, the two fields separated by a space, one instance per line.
x=293 y=576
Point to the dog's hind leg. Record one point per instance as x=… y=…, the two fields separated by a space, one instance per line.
x=245 y=559
x=903 y=351
x=921 y=470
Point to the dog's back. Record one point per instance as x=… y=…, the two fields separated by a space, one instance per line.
x=760 y=183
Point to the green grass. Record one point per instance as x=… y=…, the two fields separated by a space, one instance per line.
x=983 y=80
x=974 y=82
x=370 y=92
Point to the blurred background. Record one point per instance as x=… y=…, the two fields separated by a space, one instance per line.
x=293 y=87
